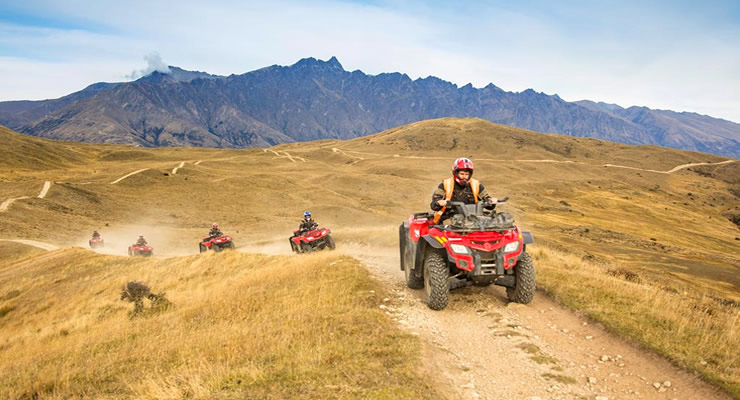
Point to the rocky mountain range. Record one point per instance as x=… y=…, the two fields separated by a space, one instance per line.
x=314 y=99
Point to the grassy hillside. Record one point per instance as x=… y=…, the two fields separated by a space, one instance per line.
x=240 y=326
x=593 y=207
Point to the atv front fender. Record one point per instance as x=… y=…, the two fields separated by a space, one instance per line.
x=433 y=242
x=527 y=237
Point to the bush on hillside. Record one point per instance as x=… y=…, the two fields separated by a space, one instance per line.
x=135 y=292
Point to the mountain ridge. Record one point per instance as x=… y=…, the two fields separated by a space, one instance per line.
x=314 y=99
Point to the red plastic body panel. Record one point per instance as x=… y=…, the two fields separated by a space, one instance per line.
x=208 y=242
x=485 y=241
x=310 y=236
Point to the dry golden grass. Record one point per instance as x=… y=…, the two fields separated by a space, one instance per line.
x=242 y=326
x=695 y=332
x=641 y=221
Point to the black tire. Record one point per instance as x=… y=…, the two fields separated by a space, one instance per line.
x=436 y=273
x=330 y=243
x=202 y=248
x=526 y=281
x=129 y=252
x=413 y=281
x=216 y=247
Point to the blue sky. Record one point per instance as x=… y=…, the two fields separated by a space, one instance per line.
x=679 y=55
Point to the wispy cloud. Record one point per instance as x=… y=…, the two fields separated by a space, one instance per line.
x=154 y=63
x=678 y=56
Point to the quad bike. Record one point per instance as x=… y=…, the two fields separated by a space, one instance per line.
x=96 y=242
x=316 y=239
x=216 y=243
x=477 y=247
x=140 y=250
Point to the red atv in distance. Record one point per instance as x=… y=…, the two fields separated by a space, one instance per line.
x=316 y=239
x=96 y=242
x=478 y=247
x=216 y=243
x=143 y=250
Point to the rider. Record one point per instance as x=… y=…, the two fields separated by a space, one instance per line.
x=461 y=187
x=214 y=232
x=95 y=235
x=308 y=224
x=141 y=241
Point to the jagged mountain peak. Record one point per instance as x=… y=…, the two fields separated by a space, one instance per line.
x=316 y=99
x=310 y=62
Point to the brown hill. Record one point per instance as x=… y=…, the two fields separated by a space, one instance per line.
x=643 y=212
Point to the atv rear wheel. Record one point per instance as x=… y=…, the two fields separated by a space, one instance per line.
x=526 y=281
x=413 y=281
x=330 y=242
x=436 y=287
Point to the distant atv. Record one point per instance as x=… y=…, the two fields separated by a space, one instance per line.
x=140 y=250
x=478 y=247
x=96 y=242
x=216 y=243
x=317 y=239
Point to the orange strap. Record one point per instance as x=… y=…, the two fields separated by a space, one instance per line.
x=449 y=186
x=475 y=185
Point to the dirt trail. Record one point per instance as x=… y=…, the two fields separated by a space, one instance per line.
x=287 y=155
x=7 y=203
x=482 y=347
x=174 y=170
x=45 y=189
x=127 y=175
x=34 y=243
x=670 y=171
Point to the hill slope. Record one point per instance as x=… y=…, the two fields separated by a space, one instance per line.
x=313 y=99
x=599 y=212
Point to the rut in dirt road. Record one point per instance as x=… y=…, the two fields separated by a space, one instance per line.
x=481 y=346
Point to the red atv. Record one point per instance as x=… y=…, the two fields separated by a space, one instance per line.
x=316 y=239
x=143 y=250
x=216 y=243
x=96 y=242
x=477 y=247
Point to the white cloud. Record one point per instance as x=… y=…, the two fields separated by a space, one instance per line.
x=154 y=63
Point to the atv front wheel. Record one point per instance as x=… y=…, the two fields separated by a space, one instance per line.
x=202 y=248
x=330 y=243
x=216 y=247
x=436 y=287
x=526 y=281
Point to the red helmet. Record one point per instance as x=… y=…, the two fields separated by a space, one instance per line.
x=462 y=164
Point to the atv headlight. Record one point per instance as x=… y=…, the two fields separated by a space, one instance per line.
x=459 y=249
x=511 y=247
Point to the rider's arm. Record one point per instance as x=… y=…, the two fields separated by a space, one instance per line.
x=483 y=195
x=438 y=195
